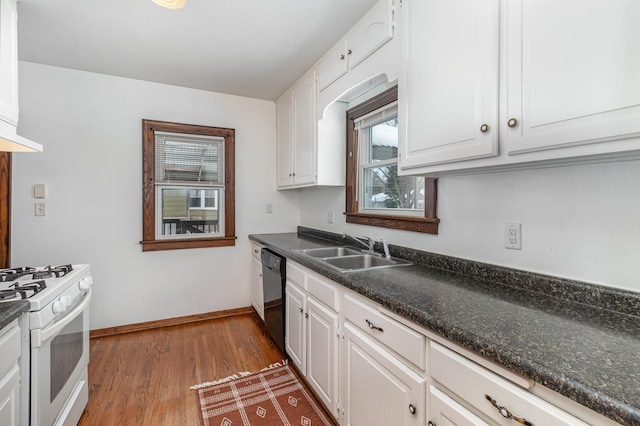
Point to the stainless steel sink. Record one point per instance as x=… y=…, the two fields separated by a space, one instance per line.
x=363 y=262
x=331 y=251
x=351 y=259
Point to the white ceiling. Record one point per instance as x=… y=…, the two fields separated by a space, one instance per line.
x=254 y=48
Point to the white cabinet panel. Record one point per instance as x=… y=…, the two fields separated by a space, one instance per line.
x=368 y=35
x=295 y=333
x=9 y=61
x=304 y=131
x=333 y=65
x=476 y=385
x=10 y=397
x=284 y=144
x=257 y=297
x=378 y=389
x=444 y=411
x=322 y=352
x=448 y=89
x=572 y=70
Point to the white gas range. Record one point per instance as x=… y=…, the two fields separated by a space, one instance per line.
x=55 y=391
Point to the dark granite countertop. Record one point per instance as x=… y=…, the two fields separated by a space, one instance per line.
x=11 y=310
x=580 y=340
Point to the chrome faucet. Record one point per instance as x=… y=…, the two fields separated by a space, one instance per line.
x=385 y=246
x=365 y=241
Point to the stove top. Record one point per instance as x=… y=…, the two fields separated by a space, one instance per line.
x=38 y=284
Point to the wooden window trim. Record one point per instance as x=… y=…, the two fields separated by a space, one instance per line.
x=427 y=224
x=149 y=241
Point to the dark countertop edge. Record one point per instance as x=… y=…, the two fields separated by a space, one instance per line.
x=9 y=311
x=603 y=404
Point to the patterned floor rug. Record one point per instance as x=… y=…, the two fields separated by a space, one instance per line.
x=273 y=396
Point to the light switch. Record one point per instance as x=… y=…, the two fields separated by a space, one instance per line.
x=39 y=190
x=41 y=209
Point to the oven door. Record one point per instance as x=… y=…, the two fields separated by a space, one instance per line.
x=59 y=359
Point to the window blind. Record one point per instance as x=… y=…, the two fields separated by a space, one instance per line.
x=182 y=159
x=378 y=116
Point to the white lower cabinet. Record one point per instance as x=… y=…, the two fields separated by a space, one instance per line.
x=378 y=388
x=444 y=411
x=311 y=330
x=257 y=292
x=370 y=367
x=490 y=395
x=10 y=375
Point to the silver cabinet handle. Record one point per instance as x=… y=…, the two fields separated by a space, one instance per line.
x=412 y=409
x=372 y=326
x=507 y=414
x=484 y=128
x=512 y=122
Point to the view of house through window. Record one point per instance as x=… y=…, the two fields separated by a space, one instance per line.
x=376 y=194
x=189 y=186
x=189 y=182
x=382 y=188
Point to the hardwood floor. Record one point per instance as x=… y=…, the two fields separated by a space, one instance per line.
x=143 y=378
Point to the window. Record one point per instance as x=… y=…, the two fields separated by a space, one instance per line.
x=188 y=186
x=376 y=194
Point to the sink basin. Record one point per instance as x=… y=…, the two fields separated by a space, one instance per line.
x=363 y=262
x=331 y=251
x=351 y=259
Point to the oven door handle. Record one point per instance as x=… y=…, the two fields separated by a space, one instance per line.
x=42 y=335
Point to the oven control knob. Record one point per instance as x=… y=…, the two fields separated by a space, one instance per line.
x=85 y=283
x=59 y=306
x=66 y=300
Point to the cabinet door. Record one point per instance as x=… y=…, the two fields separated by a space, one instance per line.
x=373 y=31
x=9 y=61
x=322 y=352
x=444 y=411
x=572 y=72
x=378 y=388
x=448 y=85
x=304 y=133
x=295 y=332
x=10 y=397
x=332 y=66
x=257 y=299
x=284 y=140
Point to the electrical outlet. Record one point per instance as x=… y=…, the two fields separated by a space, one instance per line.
x=269 y=207
x=330 y=216
x=513 y=236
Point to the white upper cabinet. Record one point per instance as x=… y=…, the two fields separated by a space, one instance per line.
x=296 y=134
x=369 y=34
x=449 y=83
x=573 y=72
x=9 y=62
x=513 y=84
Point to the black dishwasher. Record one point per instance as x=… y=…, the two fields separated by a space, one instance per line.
x=273 y=281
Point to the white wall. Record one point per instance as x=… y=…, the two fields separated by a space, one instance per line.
x=579 y=222
x=90 y=126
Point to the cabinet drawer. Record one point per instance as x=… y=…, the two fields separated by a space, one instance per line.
x=9 y=346
x=255 y=251
x=296 y=274
x=473 y=383
x=400 y=338
x=323 y=290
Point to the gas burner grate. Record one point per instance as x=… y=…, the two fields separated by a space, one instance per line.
x=51 y=271
x=13 y=274
x=8 y=294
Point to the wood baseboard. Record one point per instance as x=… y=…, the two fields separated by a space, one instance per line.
x=141 y=326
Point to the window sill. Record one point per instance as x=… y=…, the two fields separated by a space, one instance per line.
x=187 y=243
x=405 y=223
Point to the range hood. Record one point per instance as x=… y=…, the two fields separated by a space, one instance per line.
x=12 y=142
